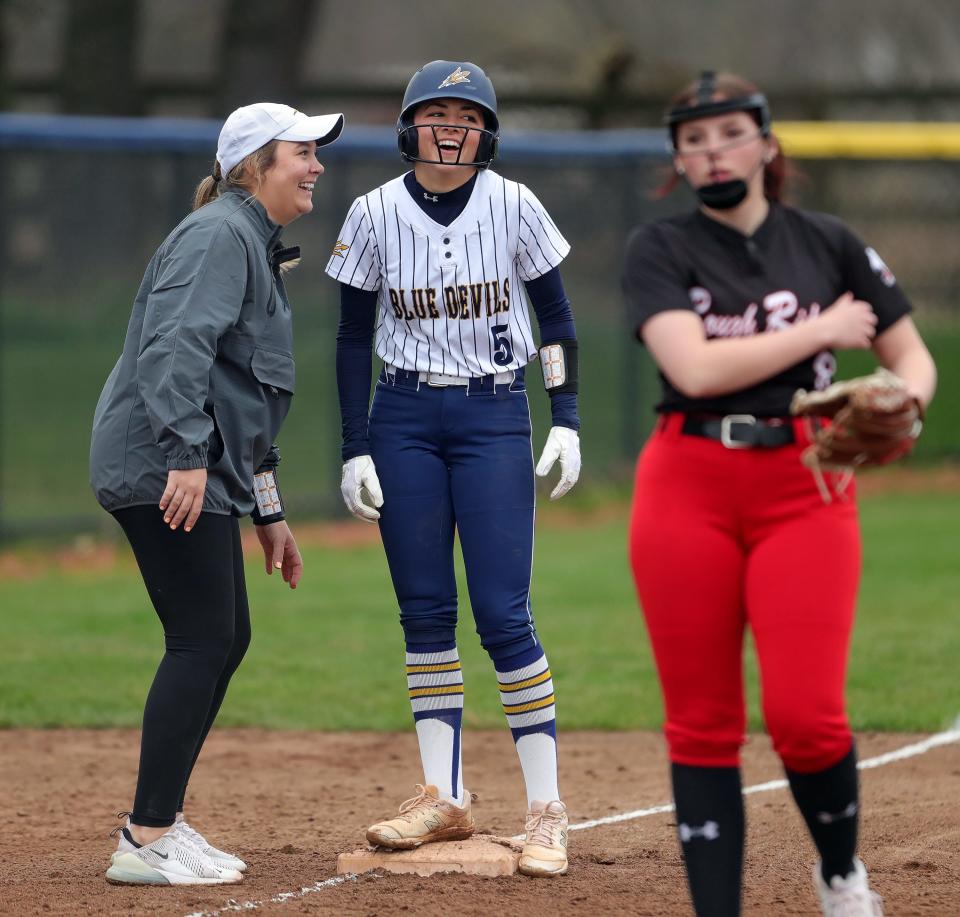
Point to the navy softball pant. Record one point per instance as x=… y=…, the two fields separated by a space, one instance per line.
x=457 y=459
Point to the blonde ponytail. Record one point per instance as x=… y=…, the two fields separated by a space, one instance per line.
x=207 y=190
x=246 y=175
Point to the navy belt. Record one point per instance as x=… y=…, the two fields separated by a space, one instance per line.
x=742 y=431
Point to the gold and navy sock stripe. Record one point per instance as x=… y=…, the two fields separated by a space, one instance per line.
x=434 y=682
x=435 y=686
x=526 y=694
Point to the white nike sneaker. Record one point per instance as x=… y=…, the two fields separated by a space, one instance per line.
x=220 y=857
x=849 y=897
x=169 y=860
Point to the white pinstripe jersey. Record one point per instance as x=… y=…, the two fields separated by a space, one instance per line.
x=451 y=297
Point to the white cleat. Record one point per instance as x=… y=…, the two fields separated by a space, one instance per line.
x=848 y=897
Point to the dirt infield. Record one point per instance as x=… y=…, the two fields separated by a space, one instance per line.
x=288 y=803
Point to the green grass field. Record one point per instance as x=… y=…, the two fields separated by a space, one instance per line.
x=79 y=649
x=67 y=355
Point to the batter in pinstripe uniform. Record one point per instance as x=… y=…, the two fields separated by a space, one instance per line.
x=437 y=269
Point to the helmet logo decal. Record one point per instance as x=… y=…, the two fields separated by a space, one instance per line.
x=458 y=76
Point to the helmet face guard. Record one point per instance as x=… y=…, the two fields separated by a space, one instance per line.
x=705 y=106
x=450 y=80
x=408 y=140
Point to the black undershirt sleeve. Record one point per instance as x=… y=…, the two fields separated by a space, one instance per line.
x=358 y=312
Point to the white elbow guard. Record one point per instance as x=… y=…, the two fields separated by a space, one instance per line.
x=558 y=361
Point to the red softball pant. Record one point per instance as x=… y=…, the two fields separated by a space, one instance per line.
x=724 y=538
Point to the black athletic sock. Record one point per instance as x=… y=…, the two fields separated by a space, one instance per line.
x=710 y=825
x=829 y=802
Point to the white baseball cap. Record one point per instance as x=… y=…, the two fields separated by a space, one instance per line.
x=250 y=127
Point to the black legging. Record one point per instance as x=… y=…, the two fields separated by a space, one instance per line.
x=197 y=587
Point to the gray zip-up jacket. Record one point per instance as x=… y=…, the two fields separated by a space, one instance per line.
x=207 y=373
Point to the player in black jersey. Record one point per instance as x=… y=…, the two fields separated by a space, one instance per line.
x=741 y=302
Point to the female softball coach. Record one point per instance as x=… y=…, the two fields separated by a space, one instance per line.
x=183 y=445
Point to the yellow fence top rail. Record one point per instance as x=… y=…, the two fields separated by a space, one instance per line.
x=869 y=139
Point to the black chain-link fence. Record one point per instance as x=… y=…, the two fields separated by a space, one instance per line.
x=81 y=218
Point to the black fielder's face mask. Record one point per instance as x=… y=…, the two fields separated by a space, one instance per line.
x=723 y=195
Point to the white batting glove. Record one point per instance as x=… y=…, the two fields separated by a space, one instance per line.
x=359 y=474
x=564 y=444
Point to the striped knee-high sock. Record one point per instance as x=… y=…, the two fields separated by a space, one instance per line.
x=435 y=684
x=526 y=692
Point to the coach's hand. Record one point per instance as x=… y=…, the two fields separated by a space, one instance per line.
x=564 y=444
x=182 y=498
x=359 y=473
x=280 y=551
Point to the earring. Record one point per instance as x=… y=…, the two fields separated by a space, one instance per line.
x=768 y=158
x=681 y=171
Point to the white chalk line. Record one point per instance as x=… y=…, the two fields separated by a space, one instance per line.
x=280 y=898
x=947 y=737
x=908 y=751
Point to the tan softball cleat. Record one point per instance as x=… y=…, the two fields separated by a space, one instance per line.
x=545 y=848
x=424 y=819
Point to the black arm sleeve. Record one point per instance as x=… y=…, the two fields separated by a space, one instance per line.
x=358 y=312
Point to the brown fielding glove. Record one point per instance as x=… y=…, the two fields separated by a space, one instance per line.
x=874 y=421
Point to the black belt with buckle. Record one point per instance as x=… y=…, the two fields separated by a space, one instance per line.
x=742 y=431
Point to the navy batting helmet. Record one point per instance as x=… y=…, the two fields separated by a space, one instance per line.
x=444 y=79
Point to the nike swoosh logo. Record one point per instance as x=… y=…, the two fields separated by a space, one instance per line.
x=166 y=856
